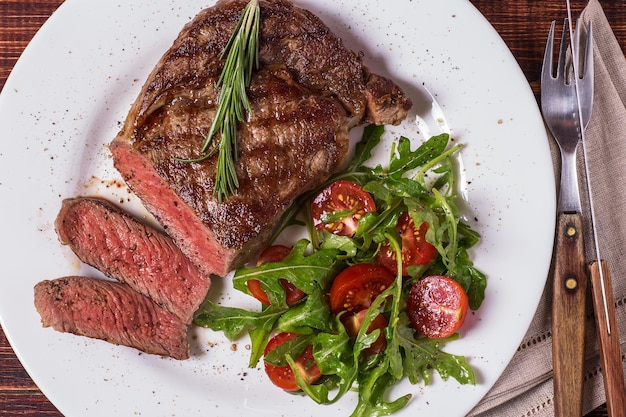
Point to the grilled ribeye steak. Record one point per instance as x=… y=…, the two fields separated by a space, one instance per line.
x=110 y=311
x=307 y=93
x=122 y=247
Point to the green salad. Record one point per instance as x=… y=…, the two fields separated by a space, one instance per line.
x=370 y=298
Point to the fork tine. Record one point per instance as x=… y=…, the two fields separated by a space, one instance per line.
x=586 y=62
x=561 y=70
x=589 y=52
x=547 y=70
x=586 y=72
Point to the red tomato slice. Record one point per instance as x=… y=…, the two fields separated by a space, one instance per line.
x=356 y=287
x=283 y=376
x=437 y=306
x=274 y=253
x=353 y=325
x=415 y=249
x=339 y=197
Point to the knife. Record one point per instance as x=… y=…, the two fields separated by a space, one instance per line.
x=601 y=288
x=610 y=350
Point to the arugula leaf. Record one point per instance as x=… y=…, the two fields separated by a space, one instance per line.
x=447 y=230
x=371 y=137
x=372 y=387
x=307 y=317
x=406 y=160
x=333 y=354
x=233 y=321
x=304 y=271
x=259 y=337
x=332 y=351
x=467 y=237
x=471 y=279
x=423 y=356
x=349 y=247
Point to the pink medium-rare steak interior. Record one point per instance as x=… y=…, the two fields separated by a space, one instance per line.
x=110 y=311
x=120 y=246
x=306 y=95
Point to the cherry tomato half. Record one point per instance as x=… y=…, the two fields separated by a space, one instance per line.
x=345 y=199
x=274 y=253
x=415 y=249
x=353 y=325
x=356 y=287
x=283 y=376
x=437 y=306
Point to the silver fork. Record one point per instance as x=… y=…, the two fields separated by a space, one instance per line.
x=559 y=103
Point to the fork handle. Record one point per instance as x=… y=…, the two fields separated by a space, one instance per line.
x=610 y=350
x=568 y=315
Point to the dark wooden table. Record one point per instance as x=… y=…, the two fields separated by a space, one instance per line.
x=523 y=24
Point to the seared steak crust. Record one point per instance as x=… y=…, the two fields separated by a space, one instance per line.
x=120 y=246
x=110 y=311
x=308 y=92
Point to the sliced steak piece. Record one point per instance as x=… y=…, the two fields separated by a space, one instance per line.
x=306 y=95
x=110 y=311
x=111 y=240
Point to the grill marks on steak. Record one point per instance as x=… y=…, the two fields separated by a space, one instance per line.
x=316 y=59
x=120 y=246
x=113 y=312
x=306 y=95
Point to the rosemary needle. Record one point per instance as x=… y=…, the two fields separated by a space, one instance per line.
x=242 y=57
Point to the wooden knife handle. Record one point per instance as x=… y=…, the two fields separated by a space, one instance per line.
x=568 y=315
x=610 y=350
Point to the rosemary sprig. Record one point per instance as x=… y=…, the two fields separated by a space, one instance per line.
x=242 y=57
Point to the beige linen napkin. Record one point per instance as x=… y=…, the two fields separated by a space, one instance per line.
x=525 y=388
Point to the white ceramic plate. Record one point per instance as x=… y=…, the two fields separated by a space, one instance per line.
x=65 y=101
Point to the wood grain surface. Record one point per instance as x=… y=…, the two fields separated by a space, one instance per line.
x=523 y=24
